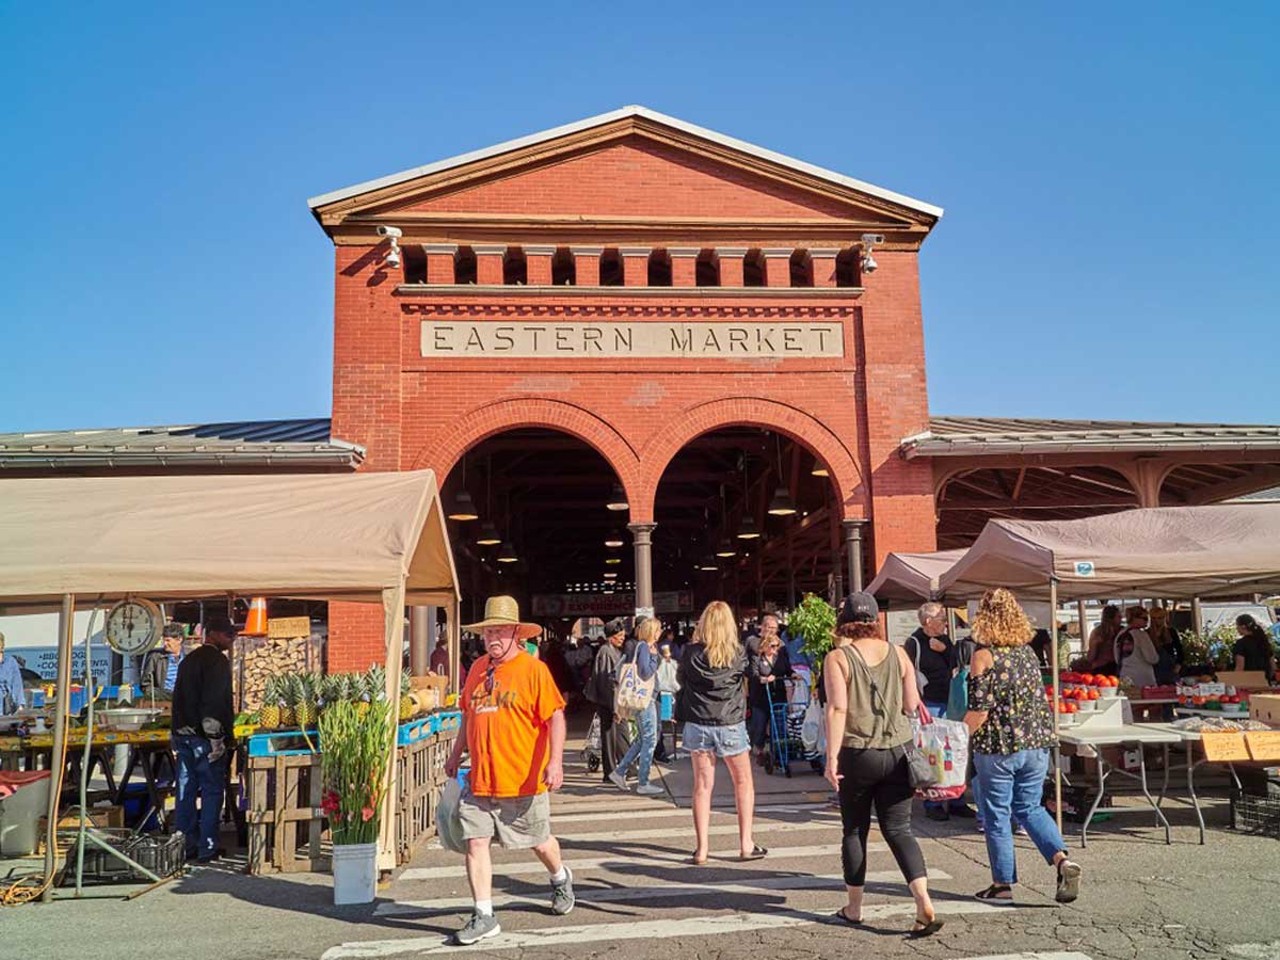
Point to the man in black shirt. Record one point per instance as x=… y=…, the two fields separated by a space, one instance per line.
x=935 y=660
x=201 y=728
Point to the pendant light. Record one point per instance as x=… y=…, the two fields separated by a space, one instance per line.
x=613 y=539
x=747 y=529
x=464 y=509
x=612 y=560
x=781 y=505
x=617 y=499
x=609 y=575
x=488 y=535
x=819 y=469
x=708 y=564
x=507 y=553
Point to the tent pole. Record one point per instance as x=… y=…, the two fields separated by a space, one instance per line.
x=66 y=626
x=393 y=614
x=1057 y=692
x=1084 y=628
x=455 y=645
x=1197 y=616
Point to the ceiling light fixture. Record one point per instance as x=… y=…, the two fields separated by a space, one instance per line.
x=781 y=505
x=612 y=560
x=488 y=536
x=464 y=508
x=617 y=499
x=819 y=469
x=507 y=553
x=613 y=539
x=747 y=530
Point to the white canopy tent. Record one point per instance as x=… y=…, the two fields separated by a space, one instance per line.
x=371 y=538
x=910 y=577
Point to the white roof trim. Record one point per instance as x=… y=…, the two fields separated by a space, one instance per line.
x=596 y=121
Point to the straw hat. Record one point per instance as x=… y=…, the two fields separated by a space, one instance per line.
x=504 y=612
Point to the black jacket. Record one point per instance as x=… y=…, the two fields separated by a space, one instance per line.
x=936 y=667
x=710 y=696
x=604 y=675
x=202 y=695
x=779 y=669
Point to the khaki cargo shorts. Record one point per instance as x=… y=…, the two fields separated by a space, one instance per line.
x=517 y=822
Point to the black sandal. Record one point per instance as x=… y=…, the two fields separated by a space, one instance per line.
x=925 y=928
x=757 y=853
x=845 y=918
x=996 y=893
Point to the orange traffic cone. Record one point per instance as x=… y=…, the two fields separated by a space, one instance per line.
x=256 y=624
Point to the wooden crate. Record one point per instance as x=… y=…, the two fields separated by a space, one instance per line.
x=285 y=822
x=420 y=775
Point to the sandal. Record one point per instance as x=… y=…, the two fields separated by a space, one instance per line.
x=757 y=853
x=845 y=918
x=996 y=893
x=925 y=928
x=695 y=860
x=1068 y=881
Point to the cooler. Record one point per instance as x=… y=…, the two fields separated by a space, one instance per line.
x=24 y=799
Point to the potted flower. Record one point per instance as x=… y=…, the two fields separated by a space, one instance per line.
x=355 y=750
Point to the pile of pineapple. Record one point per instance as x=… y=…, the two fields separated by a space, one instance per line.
x=294 y=701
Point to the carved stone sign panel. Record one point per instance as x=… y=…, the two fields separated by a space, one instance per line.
x=646 y=340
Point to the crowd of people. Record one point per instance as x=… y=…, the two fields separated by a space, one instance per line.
x=514 y=733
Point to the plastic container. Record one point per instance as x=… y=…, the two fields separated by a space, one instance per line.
x=24 y=799
x=355 y=872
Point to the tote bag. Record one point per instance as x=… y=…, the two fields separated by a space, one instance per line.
x=633 y=695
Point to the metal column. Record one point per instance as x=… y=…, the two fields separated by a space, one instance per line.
x=642 y=534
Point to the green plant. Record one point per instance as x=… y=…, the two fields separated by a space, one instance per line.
x=814 y=621
x=1216 y=646
x=357 y=749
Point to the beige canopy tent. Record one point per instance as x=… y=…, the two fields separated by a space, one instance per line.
x=372 y=538
x=911 y=577
x=1228 y=550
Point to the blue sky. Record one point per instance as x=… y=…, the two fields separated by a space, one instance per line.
x=1110 y=247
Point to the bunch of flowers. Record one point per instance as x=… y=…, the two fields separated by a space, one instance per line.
x=356 y=750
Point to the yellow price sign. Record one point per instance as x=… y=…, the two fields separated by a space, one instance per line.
x=1224 y=747
x=1264 y=745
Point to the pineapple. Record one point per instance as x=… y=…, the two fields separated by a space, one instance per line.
x=270 y=714
x=289 y=695
x=305 y=709
x=331 y=688
x=375 y=684
x=407 y=707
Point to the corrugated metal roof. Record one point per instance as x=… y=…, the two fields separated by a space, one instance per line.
x=955 y=436
x=302 y=442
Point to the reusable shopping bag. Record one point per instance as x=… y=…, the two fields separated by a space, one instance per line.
x=958 y=695
x=449 y=819
x=633 y=695
x=944 y=745
x=814 y=729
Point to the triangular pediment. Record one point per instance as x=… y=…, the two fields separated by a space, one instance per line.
x=631 y=165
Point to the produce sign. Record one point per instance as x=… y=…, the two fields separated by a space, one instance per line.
x=1264 y=746
x=1224 y=747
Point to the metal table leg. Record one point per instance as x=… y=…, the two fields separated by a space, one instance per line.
x=1191 y=790
x=1104 y=770
x=1146 y=792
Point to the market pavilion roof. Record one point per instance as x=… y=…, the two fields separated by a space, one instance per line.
x=256 y=444
x=961 y=436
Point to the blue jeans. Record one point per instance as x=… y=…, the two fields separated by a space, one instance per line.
x=641 y=750
x=198 y=777
x=939 y=710
x=1012 y=787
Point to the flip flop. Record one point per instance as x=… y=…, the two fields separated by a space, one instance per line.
x=924 y=929
x=693 y=859
x=996 y=893
x=844 y=918
x=757 y=853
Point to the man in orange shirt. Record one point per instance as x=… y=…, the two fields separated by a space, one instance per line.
x=513 y=728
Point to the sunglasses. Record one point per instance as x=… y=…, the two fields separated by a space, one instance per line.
x=488 y=680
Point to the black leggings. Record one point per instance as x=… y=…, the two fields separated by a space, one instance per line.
x=876 y=777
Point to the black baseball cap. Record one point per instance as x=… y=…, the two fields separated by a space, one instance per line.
x=858 y=608
x=615 y=626
x=220 y=623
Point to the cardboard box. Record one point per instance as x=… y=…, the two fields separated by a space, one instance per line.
x=110 y=817
x=1244 y=679
x=430 y=690
x=1265 y=707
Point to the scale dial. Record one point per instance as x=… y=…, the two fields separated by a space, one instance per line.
x=134 y=626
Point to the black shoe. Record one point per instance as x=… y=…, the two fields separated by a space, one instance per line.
x=216 y=855
x=964 y=812
x=937 y=813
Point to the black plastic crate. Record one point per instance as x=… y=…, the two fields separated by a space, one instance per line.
x=162 y=855
x=1257 y=813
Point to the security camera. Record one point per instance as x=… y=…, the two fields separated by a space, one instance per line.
x=869 y=264
x=392 y=232
x=393 y=257
x=868 y=239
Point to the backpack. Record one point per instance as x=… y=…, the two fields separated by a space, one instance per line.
x=1123 y=646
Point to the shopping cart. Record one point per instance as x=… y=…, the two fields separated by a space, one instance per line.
x=779 y=755
x=591 y=748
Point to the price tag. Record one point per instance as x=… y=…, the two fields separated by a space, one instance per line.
x=1224 y=747
x=1264 y=745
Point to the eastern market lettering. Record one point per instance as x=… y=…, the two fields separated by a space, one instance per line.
x=637 y=340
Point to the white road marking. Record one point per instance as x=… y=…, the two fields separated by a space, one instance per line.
x=1049 y=955
x=648 y=930
x=830 y=881
x=666 y=810
x=663 y=833
x=718 y=860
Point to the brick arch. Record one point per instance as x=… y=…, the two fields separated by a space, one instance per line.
x=478 y=425
x=752 y=412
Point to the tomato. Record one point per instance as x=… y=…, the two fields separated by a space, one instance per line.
x=1094 y=695
x=1072 y=708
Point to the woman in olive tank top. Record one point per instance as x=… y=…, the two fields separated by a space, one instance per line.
x=871 y=692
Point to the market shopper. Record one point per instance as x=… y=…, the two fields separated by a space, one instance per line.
x=1168 y=646
x=1253 y=651
x=160 y=673
x=601 y=689
x=712 y=705
x=1101 y=653
x=871 y=694
x=935 y=659
x=645 y=657
x=201 y=729
x=513 y=729
x=13 y=696
x=769 y=668
x=1011 y=735
x=668 y=686
x=1135 y=652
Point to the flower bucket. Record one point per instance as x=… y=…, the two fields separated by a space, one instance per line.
x=355 y=872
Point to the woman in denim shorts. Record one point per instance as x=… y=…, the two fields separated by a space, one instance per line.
x=712 y=704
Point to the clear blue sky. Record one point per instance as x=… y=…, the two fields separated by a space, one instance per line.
x=1110 y=249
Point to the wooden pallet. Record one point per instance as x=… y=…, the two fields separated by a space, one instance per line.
x=285 y=822
x=420 y=775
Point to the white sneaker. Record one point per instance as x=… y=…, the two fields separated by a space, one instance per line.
x=619 y=781
x=650 y=790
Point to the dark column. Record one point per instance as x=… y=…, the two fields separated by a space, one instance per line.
x=641 y=534
x=853 y=552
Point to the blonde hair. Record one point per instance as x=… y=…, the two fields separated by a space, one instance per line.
x=649 y=630
x=718 y=632
x=1001 y=622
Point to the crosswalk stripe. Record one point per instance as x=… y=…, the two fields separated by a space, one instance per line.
x=1039 y=955
x=666 y=810
x=581 y=866
x=658 y=833
x=831 y=881
x=666 y=929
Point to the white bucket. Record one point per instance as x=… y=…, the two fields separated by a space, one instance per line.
x=355 y=872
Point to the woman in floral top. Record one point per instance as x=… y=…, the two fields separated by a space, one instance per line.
x=1011 y=735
